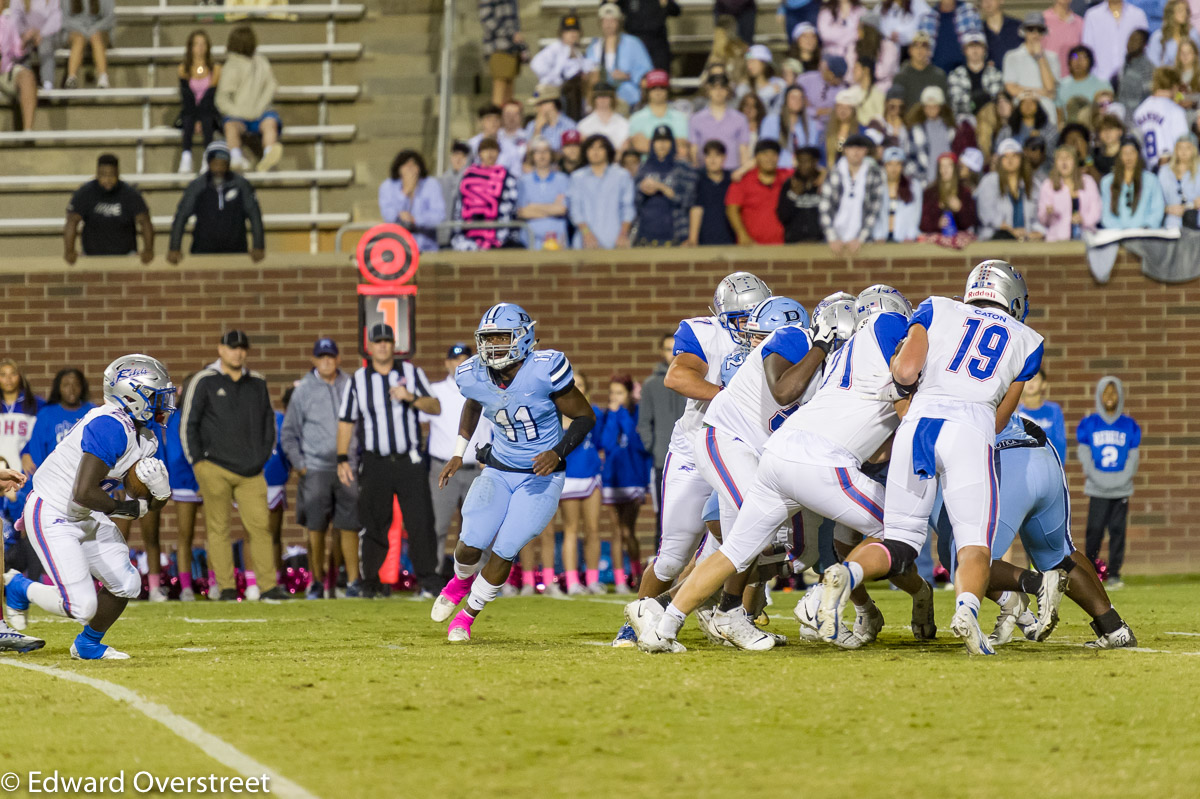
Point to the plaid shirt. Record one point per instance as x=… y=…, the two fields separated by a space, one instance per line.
x=500 y=22
x=966 y=20
x=960 y=88
x=831 y=199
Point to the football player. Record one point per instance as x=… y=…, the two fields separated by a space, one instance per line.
x=11 y=640
x=522 y=391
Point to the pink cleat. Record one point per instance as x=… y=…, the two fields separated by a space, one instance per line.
x=451 y=595
x=460 y=628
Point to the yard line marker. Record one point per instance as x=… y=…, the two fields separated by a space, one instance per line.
x=1193 y=634
x=216 y=748
x=190 y=620
x=596 y=643
x=193 y=649
x=609 y=601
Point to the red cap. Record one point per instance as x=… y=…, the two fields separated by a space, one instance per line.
x=658 y=79
x=571 y=137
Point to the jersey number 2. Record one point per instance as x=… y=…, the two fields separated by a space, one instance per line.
x=988 y=348
x=523 y=418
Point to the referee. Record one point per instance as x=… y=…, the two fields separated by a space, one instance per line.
x=387 y=396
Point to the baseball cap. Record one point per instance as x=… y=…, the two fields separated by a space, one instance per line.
x=837 y=65
x=974 y=37
x=972 y=159
x=382 y=332
x=922 y=37
x=658 y=79
x=610 y=11
x=1034 y=20
x=571 y=137
x=458 y=350
x=236 y=339
x=570 y=22
x=718 y=79
x=933 y=95
x=1008 y=146
x=545 y=94
x=663 y=132
x=325 y=346
x=894 y=154
x=759 y=52
x=803 y=27
x=852 y=96
x=896 y=93
x=216 y=149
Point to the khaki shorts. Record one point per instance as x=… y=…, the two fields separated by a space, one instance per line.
x=8 y=80
x=503 y=66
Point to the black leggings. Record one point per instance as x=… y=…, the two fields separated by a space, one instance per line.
x=204 y=112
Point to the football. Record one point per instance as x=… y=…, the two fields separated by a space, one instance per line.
x=134 y=487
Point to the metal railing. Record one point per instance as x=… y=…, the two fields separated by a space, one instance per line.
x=443 y=228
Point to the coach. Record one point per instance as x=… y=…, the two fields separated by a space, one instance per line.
x=228 y=435
x=387 y=396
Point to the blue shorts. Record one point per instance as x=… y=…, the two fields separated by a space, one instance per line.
x=504 y=511
x=712 y=509
x=253 y=125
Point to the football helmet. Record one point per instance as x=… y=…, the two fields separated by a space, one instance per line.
x=772 y=314
x=879 y=299
x=141 y=386
x=837 y=311
x=736 y=296
x=505 y=317
x=997 y=281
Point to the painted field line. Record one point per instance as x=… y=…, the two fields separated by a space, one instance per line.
x=1197 y=635
x=216 y=748
x=190 y=620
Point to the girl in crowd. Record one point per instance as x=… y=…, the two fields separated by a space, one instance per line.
x=412 y=199
x=1007 y=198
x=1176 y=29
x=900 y=19
x=871 y=108
x=1187 y=63
x=948 y=209
x=760 y=81
x=244 y=96
x=837 y=25
x=1180 y=184
x=580 y=505
x=931 y=126
x=901 y=201
x=843 y=123
x=88 y=23
x=1029 y=119
x=752 y=108
x=68 y=403
x=1068 y=201
x=893 y=124
x=873 y=48
x=792 y=127
x=1133 y=84
x=806 y=47
x=1108 y=144
x=198 y=77
x=18 y=409
x=1130 y=196
x=626 y=474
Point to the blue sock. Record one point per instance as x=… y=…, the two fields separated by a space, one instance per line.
x=87 y=643
x=15 y=592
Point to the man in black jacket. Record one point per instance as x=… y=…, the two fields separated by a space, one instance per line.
x=222 y=202
x=228 y=434
x=647 y=20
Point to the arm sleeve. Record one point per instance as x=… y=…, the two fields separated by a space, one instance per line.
x=254 y=214
x=194 y=402
x=686 y=341
x=1107 y=218
x=790 y=343
x=422 y=388
x=348 y=411
x=389 y=207
x=289 y=436
x=561 y=375
x=1032 y=364
x=924 y=314
x=105 y=438
x=184 y=211
x=890 y=330
x=625 y=189
x=610 y=432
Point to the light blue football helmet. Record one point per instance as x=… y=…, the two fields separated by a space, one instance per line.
x=879 y=299
x=772 y=314
x=507 y=318
x=736 y=296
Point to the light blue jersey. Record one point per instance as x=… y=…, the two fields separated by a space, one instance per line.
x=526 y=418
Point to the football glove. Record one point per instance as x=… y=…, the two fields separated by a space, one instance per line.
x=153 y=473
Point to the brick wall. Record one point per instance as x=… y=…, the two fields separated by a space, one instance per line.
x=606 y=314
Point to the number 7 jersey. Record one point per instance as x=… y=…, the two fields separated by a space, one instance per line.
x=975 y=354
x=526 y=418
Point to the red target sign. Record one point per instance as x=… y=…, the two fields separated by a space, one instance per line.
x=388 y=255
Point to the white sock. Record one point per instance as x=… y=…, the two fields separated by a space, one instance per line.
x=268 y=149
x=462 y=571
x=46 y=597
x=482 y=592
x=1007 y=595
x=969 y=600
x=671 y=621
x=856 y=573
x=235 y=154
x=865 y=608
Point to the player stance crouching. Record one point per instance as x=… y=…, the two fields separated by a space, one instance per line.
x=12 y=640
x=67 y=513
x=522 y=391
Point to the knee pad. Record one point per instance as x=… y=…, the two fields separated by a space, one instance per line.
x=83 y=608
x=903 y=556
x=130 y=586
x=667 y=568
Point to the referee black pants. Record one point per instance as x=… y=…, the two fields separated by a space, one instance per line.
x=384 y=477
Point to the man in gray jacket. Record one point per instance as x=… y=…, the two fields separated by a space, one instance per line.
x=660 y=408
x=309 y=440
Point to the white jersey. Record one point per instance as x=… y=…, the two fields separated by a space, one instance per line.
x=844 y=409
x=746 y=409
x=703 y=337
x=108 y=433
x=975 y=354
x=1162 y=123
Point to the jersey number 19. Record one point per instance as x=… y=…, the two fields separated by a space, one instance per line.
x=989 y=348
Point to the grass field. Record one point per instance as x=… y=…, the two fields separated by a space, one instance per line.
x=366 y=699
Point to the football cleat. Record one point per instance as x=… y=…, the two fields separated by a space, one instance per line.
x=13 y=641
x=849 y=640
x=736 y=628
x=622 y=590
x=1120 y=638
x=253 y=594
x=643 y=615
x=108 y=653
x=160 y=594
x=833 y=601
x=653 y=643
x=460 y=629
x=780 y=640
x=597 y=589
x=1006 y=623
x=528 y=590
x=806 y=612
x=187 y=595
x=704 y=620
x=15 y=601
x=448 y=599
x=576 y=589
x=552 y=589
x=626 y=638
x=508 y=590
x=868 y=625
x=965 y=625
x=1049 y=596
x=924 y=627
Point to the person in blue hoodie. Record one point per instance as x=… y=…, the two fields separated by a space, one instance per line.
x=1045 y=414
x=625 y=476
x=1108 y=449
x=580 y=505
x=276 y=472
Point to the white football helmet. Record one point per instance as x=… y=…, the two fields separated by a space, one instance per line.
x=837 y=311
x=878 y=299
x=736 y=296
x=141 y=386
x=997 y=281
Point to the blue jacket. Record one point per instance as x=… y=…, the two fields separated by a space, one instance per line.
x=626 y=462
x=632 y=57
x=178 y=468
x=1108 y=446
x=277 y=469
x=584 y=460
x=1147 y=214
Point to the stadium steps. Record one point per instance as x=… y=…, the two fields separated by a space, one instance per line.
x=155 y=136
x=19 y=184
x=173 y=54
x=273 y=222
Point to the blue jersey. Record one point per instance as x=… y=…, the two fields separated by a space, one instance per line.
x=526 y=419
x=1110 y=441
x=277 y=469
x=178 y=468
x=584 y=461
x=626 y=462
x=53 y=424
x=1049 y=417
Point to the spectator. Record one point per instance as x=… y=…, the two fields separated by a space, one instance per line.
x=1003 y=33
x=871 y=106
x=843 y=123
x=548 y=123
x=1181 y=185
x=1029 y=121
x=198 y=79
x=794 y=13
x=600 y=199
x=761 y=79
x=970 y=168
x=792 y=127
x=744 y=13
x=580 y=506
x=1045 y=414
x=665 y=190
x=1064 y=32
x=460 y=156
x=513 y=138
x=755 y=112
x=39 y=23
x=1108 y=145
x=503 y=45
x=1034 y=151
x=412 y=199
x=920 y=73
x=1068 y=201
x=945 y=25
x=619 y=58
x=1130 y=197
x=900 y=217
x=1160 y=119
x=624 y=477
x=229 y=432
x=1080 y=83
x=1107 y=27
x=542 y=200
x=1187 y=64
x=880 y=55
x=88 y=23
x=631 y=162
x=16 y=80
x=931 y=125
x=222 y=202
x=562 y=63
x=488 y=122
x=1079 y=139
x=728 y=53
x=488 y=193
x=382 y=399
x=277 y=472
x=806 y=45
x=791 y=69
x=113 y=213
x=185 y=493
x=1031 y=68
x=309 y=440
x=244 y=97
x=69 y=401
x=19 y=408
x=604 y=118
x=837 y=25
x=851 y=198
x=974 y=87
x=570 y=156
x=722 y=123
x=893 y=126
x=799 y=204
x=947 y=208
x=900 y=18
x=647 y=20
x=821 y=87
x=707 y=222
x=1108 y=450
x=1007 y=198
x=752 y=202
x=656 y=112
x=660 y=408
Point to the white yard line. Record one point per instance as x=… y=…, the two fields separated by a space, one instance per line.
x=219 y=750
x=190 y=620
x=1197 y=635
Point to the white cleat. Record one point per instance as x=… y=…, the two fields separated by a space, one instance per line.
x=780 y=640
x=704 y=620
x=736 y=628
x=528 y=590
x=1049 y=597
x=576 y=589
x=622 y=590
x=867 y=626
x=109 y=654
x=508 y=591
x=459 y=635
x=849 y=640
x=159 y=594
x=187 y=595
x=1121 y=638
x=442 y=609
x=252 y=593
x=653 y=643
x=965 y=626
x=1006 y=623
x=643 y=615
x=13 y=641
x=833 y=601
x=597 y=589
x=214 y=591
x=924 y=627
x=552 y=589
x=806 y=612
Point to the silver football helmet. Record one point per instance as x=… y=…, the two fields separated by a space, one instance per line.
x=736 y=296
x=141 y=386
x=997 y=281
x=837 y=311
x=878 y=299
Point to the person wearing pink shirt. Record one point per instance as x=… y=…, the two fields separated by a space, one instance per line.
x=16 y=81
x=1068 y=200
x=837 y=25
x=1064 y=31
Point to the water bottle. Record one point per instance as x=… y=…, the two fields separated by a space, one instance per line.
x=1076 y=232
x=949 y=227
x=551 y=242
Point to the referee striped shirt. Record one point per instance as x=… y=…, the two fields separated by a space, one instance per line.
x=389 y=426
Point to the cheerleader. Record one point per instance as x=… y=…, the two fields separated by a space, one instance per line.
x=625 y=476
x=580 y=503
